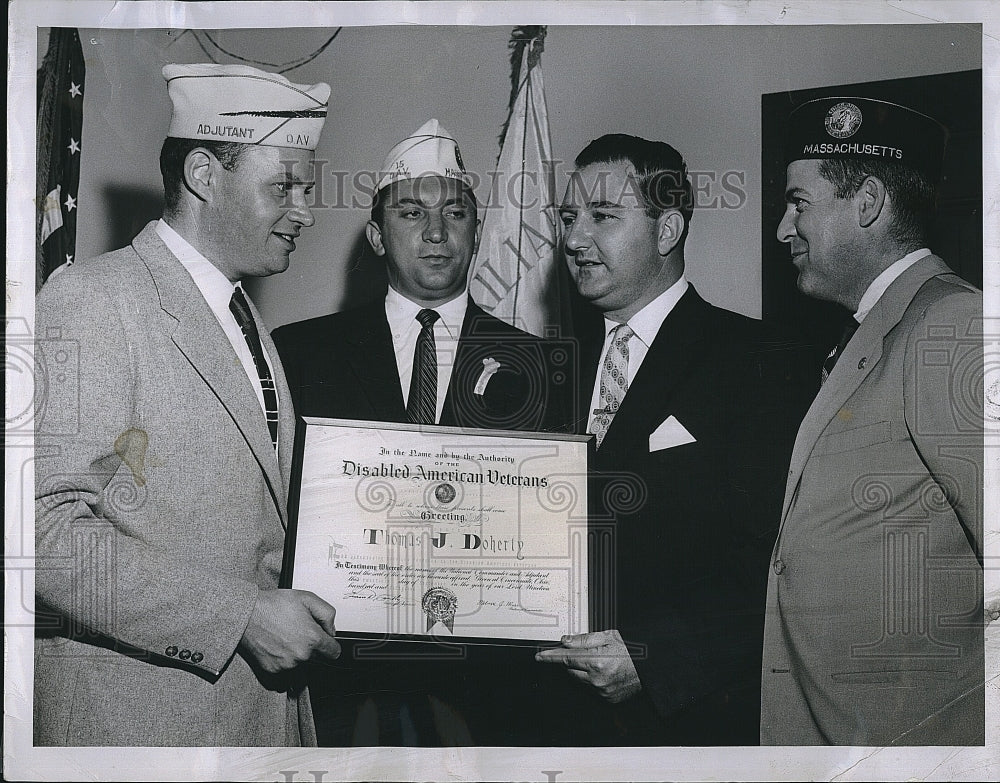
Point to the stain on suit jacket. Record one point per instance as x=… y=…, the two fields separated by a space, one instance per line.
x=160 y=514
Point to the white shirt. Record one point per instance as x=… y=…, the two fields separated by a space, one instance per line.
x=405 y=328
x=883 y=281
x=646 y=324
x=217 y=290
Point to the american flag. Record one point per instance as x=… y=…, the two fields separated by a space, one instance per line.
x=60 y=130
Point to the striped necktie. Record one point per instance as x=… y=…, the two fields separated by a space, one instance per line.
x=614 y=381
x=240 y=309
x=831 y=360
x=421 y=408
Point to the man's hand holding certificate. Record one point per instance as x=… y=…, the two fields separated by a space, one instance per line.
x=439 y=532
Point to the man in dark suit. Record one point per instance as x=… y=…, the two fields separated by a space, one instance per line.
x=425 y=354
x=358 y=364
x=691 y=444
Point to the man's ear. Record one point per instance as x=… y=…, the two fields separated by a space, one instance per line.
x=199 y=172
x=669 y=228
x=871 y=201
x=374 y=235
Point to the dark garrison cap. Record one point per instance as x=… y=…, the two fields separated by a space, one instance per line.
x=866 y=129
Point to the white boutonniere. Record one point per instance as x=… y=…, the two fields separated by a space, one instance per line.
x=490 y=367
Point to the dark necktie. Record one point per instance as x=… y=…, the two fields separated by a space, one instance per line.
x=421 y=408
x=849 y=329
x=240 y=309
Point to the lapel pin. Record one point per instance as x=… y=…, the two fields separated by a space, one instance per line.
x=490 y=367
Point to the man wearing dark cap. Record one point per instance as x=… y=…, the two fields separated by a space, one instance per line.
x=874 y=628
x=692 y=437
x=161 y=513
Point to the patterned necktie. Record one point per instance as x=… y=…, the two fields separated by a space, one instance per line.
x=240 y=309
x=849 y=329
x=614 y=381
x=421 y=408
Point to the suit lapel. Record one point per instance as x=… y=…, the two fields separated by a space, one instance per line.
x=372 y=359
x=591 y=335
x=859 y=358
x=667 y=364
x=462 y=368
x=200 y=338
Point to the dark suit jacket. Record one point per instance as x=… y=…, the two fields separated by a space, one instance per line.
x=343 y=366
x=682 y=534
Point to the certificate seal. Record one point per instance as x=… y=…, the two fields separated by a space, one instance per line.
x=439 y=604
x=444 y=493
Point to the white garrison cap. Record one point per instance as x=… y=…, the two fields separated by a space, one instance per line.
x=430 y=150
x=243 y=104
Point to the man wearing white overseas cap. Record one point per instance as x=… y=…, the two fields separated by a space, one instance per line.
x=425 y=354
x=160 y=515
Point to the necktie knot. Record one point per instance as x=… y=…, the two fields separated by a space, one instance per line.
x=427 y=317
x=240 y=309
x=845 y=337
x=623 y=333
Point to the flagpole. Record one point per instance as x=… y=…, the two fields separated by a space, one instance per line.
x=524 y=147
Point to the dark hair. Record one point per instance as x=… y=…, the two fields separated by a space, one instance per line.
x=911 y=192
x=172 y=156
x=661 y=172
x=382 y=195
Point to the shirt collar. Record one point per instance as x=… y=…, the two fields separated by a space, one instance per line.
x=402 y=313
x=883 y=281
x=647 y=322
x=214 y=286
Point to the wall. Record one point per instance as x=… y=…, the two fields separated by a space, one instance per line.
x=697 y=87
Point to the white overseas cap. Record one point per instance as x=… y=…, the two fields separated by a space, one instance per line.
x=428 y=151
x=241 y=104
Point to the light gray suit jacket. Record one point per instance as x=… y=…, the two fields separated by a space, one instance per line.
x=160 y=514
x=874 y=632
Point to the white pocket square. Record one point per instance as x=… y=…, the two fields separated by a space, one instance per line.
x=669 y=434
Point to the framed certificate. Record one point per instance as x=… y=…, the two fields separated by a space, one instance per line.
x=430 y=533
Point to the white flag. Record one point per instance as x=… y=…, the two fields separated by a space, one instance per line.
x=515 y=275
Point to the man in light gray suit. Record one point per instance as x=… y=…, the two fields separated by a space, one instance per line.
x=160 y=515
x=874 y=627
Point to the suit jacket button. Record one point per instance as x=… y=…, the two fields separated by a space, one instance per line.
x=779 y=566
x=184 y=655
x=171 y=651
x=197 y=657
x=863 y=362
